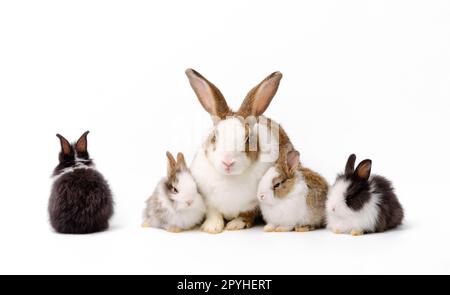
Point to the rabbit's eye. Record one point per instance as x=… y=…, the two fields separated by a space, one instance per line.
x=277 y=185
x=173 y=190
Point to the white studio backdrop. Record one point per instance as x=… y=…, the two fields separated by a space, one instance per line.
x=364 y=77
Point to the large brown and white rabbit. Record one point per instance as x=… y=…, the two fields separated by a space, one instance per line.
x=292 y=197
x=175 y=204
x=230 y=163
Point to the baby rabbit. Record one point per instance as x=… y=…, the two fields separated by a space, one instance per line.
x=175 y=204
x=292 y=197
x=81 y=200
x=359 y=203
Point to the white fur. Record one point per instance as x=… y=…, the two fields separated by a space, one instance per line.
x=230 y=135
x=227 y=193
x=346 y=220
x=289 y=211
x=79 y=164
x=177 y=213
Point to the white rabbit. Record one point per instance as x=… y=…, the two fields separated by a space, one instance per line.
x=292 y=197
x=175 y=204
x=230 y=163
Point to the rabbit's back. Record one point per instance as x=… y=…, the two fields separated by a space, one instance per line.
x=390 y=210
x=156 y=212
x=80 y=202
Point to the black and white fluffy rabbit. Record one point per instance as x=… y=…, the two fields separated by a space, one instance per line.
x=81 y=200
x=360 y=203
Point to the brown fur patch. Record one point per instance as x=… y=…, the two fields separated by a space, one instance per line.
x=249 y=217
x=251 y=147
x=287 y=176
x=173 y=169
x=317 y=195
x=285 y=187
x=284 y=143
x=222 y=109
x=169 y=184
x=172 y=178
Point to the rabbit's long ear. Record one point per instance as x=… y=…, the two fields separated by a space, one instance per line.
x=293 y=160
x=171 y=165
x=208 y=94
x=81 y=145
x=181 y=162
x=258 y=99
x=65 y=145
x=363 y=169
x=350 y=166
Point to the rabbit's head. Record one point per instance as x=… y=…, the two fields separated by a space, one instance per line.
x=180 y=185
x=232 y=146
x=73 y=155
x=351 y=190
x=280 y=179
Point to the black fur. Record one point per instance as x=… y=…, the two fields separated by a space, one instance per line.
x=81 y=200
x=361 y=189
x=391 y=211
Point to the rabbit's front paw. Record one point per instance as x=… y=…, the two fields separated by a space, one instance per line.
x=212 y=226
x=269 y=228
x=336 y=231
x=283 y=228
x=304 y=228
x=236 y=224
x=356 y=232
x=145 y=223
x=174 y=229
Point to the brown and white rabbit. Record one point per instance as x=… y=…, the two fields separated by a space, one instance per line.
x=230 y=164
x=292 y=197
x=81 y=200
x=360 y=203
x=175 y=204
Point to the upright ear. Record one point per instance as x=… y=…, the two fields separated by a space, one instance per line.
x=171 y=164
x=350 y=166
x=181 y=162
x=81 y=145
x=293 y=160
x=65 y=145
x=363 y=169
x=208 y=94
x=258 y=99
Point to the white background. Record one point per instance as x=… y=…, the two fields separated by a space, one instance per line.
x=369 y=77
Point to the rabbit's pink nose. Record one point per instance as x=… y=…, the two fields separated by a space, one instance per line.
x=189 y=202
x=228 y=164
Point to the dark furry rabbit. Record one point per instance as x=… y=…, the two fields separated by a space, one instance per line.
x=81 y=200
x=360 y=203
